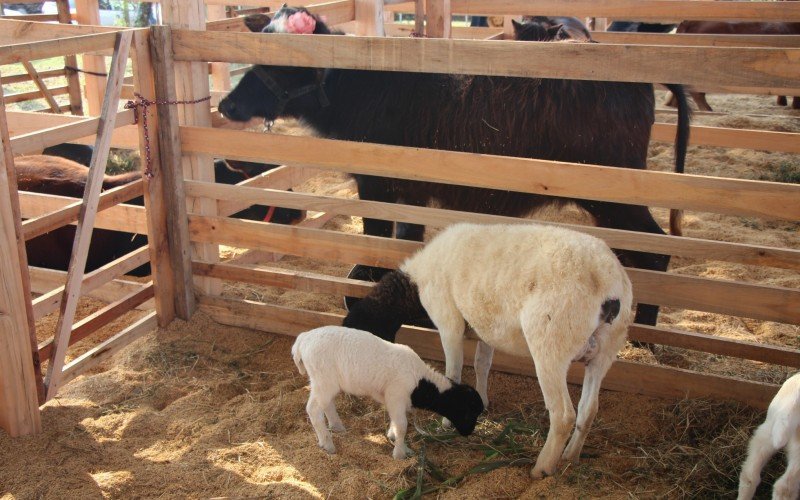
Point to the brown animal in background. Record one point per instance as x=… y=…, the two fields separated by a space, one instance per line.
x=743 y=28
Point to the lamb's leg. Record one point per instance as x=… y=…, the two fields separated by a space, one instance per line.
x=317 y=416
x=483 y=362
x=334 y=422
x=397 y=409
x=552 y=375
x=596 y=370
x=788 y=486
x=759 y=452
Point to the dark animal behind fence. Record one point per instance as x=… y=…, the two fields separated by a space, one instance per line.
x=605 y=123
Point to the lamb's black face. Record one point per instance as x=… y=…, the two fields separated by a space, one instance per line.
x=252 y=97
x=462 y=405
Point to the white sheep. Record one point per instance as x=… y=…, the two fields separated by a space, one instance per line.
x=557 y=294
x=340 y=359
x=780 y=429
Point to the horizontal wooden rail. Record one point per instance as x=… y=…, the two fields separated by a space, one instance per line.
x=736 y=66
x=320 y=283
x=616 y=238
x=788 y=41
x=50 y=301
x=32 y=228
x=101 y=318
x=18 y=52
x=25 y=77
x=724 y=297
x=36 y=140
x=626 y=376
x=785 y=142
x=44 y=280
x=13 y=31
x=34 y=94
x=662 y=189
x=108 y=348
x=280 y=178
x=125 y=218
x=635 y=10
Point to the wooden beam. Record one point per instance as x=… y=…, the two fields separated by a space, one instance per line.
x=15 y=31
x=625 y=376
x=736 y=66
x=173 y=198
x=45 y=280
x=663 y=189
x=25 y=77
x=789 y=41
x=438 y=15
x=35 y=94
x=764 y=140
x=724 y=297
x=73 y=81
x=233 y=198
x=88 y=12
x=369 y=18
x=19 y=381
x=45 y=92
x=88 y=211
x=125 y=218
x=18 y=52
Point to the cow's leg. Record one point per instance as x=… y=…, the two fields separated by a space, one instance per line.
x=781 y=100
x=631 y=218
x=700 y=100
x=672 y=101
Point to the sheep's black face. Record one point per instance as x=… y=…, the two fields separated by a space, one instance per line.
x=462 y=405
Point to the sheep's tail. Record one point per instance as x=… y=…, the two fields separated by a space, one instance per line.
x=681 y=145
x=786 y=409
x=298 y=359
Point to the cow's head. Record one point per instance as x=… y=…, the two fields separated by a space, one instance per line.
x=535 y=30
x=270 y=92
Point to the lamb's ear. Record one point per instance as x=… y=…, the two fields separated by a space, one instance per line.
x=256 y=22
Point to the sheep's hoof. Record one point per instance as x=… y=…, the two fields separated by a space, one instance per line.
x=338 y=427
x=329 y=448
x=447 y=424
x=539 y=473
x=399 y=454
x=390 y=435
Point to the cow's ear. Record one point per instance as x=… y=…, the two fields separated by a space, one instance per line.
x=517 y=25
x=256 y=22
x=555 y=32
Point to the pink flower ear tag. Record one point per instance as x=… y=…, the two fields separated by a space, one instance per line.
x=301 y=23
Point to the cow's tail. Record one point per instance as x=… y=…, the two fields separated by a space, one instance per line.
x=681 y=145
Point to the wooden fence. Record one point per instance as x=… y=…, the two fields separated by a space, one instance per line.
x=186 y=213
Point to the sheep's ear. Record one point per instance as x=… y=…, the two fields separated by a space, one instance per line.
x=256 y=22
x=517 y=25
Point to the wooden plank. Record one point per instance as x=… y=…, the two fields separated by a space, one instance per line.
x=108 y=348
x=88 y=211
x=44 y=280
x=636 y=10
x=101 y=318
x=73 y=81
x=45 y=92
x=18 y=52
x=791 y=41
x=156 y=214
x=88 y=12
x=702 y=294
x=438 y=14
x=39 y=18
x=15 y=31
x=280 y=178
x=50 y=301
x=191 y=82
x=34 y=94
x=663 y=189
x=46 y=223
x=369 y=17
x=320 y=283
x=764 y=140
x=19 y=381
x=220 y=72
x=232 y=198
x=173 y=201
x=125 y=218
x=625 y=376
x=736 y=66
x=25 y=77
x=36 y=141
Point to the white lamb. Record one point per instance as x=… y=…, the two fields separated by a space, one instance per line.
x=340 y=359
x=557 y=294
x=780 y=429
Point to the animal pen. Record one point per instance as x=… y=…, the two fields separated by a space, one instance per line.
x=186 y=213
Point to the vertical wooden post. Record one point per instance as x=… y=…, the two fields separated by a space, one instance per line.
x=88 y=212
x=220 y=72
x=419 y=17
x=438 y=19
x=369 y=18
x=73 y=80
x=20 y=374
x=88 y=12
x=173 y=200
x=154 y=195
x=191 y=81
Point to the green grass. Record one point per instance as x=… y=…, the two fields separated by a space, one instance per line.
x=788 y=172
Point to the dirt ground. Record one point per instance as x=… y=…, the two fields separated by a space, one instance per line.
x=202 y=410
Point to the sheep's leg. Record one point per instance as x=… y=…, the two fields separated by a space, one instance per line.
x=483 y=362
x=788 y=486
x=334 y=422
x=397 y=408
x=317 y=416
x=596 y=370
x=759 y=452
x=552 y=375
